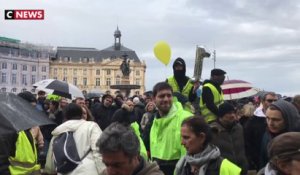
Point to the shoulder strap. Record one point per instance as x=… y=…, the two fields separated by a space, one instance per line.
x=90 y=149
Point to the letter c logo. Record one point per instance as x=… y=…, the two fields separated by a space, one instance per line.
x=9 y=14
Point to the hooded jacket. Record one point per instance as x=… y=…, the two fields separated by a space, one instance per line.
x=86 y=134
x=181 y=81
x=291 y=118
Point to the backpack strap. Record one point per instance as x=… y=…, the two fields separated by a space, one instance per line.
x=90 y=149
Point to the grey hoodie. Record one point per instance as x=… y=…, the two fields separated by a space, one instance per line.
x=290 y=115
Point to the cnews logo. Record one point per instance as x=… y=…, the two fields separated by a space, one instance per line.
x=24 y=14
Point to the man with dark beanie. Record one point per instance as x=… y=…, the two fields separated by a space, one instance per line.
x=212 y=95
x=183 y=88
x=228 y=136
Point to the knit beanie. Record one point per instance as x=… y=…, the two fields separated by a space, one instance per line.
x=225 y=108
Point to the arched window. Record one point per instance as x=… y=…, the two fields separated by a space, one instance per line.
x=118 y=80
x=14 y=90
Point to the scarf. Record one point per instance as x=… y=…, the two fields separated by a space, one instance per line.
x=211 y=152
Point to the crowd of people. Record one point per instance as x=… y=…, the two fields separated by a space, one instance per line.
x=169 y=130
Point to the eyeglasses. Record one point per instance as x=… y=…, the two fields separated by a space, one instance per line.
x=271 y=100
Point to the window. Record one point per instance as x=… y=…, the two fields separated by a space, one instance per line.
x=107 y=81
x=24 y=80
x=14 y=90
x=24 y=68
x=118 y=80
x=55 y=78
x=84 y=71
x=75 y=72
x=3 y=89
x=65 y=79
x=65 y=71
x=33 y=79
x=84 y=81
x=75 y=81
x=97 y=81
x=3 y=78
x=108 y=72
x=44 y=77
x=33 y=68
x=4 y=65
x=44 y=68
x=55 y=71
x=137 y=81
x=98 y=72
x=13 y=78
x=14 y=66
x=24 y=89
x=137 y=72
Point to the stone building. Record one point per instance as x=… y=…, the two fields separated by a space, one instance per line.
x=91 y=69
x=22 y=64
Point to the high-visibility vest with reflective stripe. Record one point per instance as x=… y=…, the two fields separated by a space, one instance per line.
x=228 y=168
x=25 y=160
x=136 y=128
x=186 y=89
x=218 y=99
x=165 y=139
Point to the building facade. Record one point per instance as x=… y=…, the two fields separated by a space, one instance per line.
x=22 y=64
x=95 y=70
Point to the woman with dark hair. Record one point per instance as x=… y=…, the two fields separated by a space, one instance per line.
x=86 y=134
x=202 y=158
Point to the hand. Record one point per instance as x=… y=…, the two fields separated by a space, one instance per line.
x=196 y=86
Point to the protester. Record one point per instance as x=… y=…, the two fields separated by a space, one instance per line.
x=255 y=129
x=212 y=95
x=150 y=109
x=228 y=136
x=202 y=158
x=86 y=134
x=162 y=133
x=246 y=113
x=80 y=101
x=104 y=111
x=120 y=149
x=139 y=109
x=182 y=84
x=284 y=155
x=282 y=117
x=18 y=153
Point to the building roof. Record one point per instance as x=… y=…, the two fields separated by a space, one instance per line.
x=111 y=52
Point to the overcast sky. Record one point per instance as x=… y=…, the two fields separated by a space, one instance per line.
x=255 y=40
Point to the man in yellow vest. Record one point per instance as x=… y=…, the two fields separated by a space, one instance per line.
x=212 y=95
x=23 y=158
x=162 y=133
x=183 y=87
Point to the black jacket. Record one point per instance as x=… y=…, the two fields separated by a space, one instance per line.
x=103 y=115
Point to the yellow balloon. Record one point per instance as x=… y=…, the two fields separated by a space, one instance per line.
x=162 y=52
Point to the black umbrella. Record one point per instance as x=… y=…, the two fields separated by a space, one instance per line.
x=16 y=114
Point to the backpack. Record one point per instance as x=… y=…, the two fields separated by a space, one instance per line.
x=66 y=157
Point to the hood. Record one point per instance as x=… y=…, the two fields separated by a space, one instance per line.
x=290 y=114
x=70 y=125
x=179 y=74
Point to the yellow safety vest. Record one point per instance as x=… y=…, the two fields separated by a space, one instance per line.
x=25 y=160
x=218 y=99
x=228 y=168
x=165 y=139
x=185 y=91
x=136 y=129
